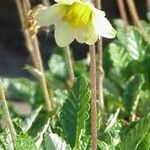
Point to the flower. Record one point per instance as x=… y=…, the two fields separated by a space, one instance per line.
x=75 y=19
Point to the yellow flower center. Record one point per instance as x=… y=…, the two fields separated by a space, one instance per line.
x=78 y=14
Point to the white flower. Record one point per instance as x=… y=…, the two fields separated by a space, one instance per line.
x=75 y=19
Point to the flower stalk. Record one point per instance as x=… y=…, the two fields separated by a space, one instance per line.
x=7 y=114
x=123 y=13
x=69 y=66
x=33 y=48
x=100 y=73
x=136 y=19
x=100 y=78
x=93 y=97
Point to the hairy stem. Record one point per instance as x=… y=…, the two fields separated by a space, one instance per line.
x=7 y=114
x=100 y=78
x=100 y=73
x=33 y=48
x=69 y=65
x=93 y=98
x=123 y=13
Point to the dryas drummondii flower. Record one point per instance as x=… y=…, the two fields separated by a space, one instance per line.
x=76 y=19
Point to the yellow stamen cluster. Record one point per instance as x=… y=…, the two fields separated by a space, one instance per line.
x=78 y=14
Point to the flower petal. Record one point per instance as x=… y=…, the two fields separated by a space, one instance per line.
x=80 y=34
x=51 y=15
x=98 y=12
x=93 y=36
x=86 y=34
x=68 y=2
x=103 y=26
x=64 y=34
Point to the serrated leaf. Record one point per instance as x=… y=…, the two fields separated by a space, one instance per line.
x=131 y=93
x=38 y=124
x=29 y=120
x=118 y=55
x=146 y=71
x=104 y=146
x=24 y=142
x=136 y=45
x=145 y=143
x=20 y=89
x=41 y=135
x=75 y=112
x=60 y=96
x=135 y=135
x=6 y=140
x=53 y=142
x=132 y=42
x=57 y=66
x=112 y=120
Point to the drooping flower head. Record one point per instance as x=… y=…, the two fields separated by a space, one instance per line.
x=75 y=19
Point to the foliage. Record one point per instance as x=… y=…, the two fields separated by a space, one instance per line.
x=126 y=92
x=75 y=112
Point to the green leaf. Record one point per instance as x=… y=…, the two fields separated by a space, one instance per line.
x=145 y=143
x=39 y=123
x=132 y=40
x=41 y=134
x=5 y=140
x=112 y=120
x=146 y=71
x=59 y=96
x=135 y=135
x=104 y=146
x=53 y=142
x=57 y=66
x=118 y=55
x=20 y=89
x=29 y=120
x=75 y=112
x=132 y=92
x=24 y=142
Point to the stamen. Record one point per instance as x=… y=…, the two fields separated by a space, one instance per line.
x=78 y=14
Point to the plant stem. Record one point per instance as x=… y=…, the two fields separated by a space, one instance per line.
x=7 y=114
x=47 y=93
x=93 y=98
x=123 y=13
x=22 y=11
x=33 y=48
x=133 y=12
x=136 y=19
x=100 y=78
x=148 y=5
x=69 y=65
x=100 y=73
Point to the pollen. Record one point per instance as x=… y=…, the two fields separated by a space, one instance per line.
x=78 y=15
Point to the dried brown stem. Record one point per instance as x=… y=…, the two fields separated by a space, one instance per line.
x=6 y=113
x=123 y=13
x=93 y=97
x=148 y=5
x=33 y=48
x=136 y=19
x=22 y=14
